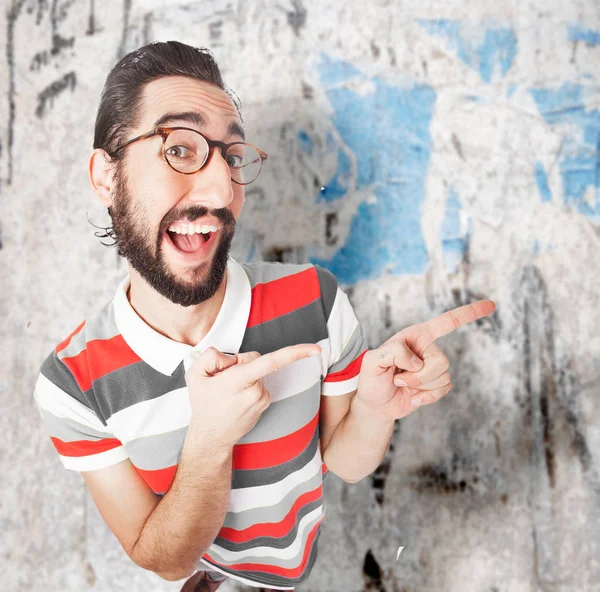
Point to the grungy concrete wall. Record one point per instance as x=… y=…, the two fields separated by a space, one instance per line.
x=456 y=144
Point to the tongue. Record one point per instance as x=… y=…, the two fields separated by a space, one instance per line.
x=188 y=242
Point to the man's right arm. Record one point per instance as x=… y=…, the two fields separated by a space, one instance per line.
x=167 y=536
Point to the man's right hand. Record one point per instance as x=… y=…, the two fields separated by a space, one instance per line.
x=227 y=395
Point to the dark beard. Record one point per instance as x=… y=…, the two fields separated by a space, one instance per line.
x=135 y=246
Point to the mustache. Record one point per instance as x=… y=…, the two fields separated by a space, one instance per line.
x=195 y=212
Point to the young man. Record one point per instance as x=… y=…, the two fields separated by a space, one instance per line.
x=204 y=404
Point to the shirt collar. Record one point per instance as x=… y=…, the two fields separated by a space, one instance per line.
x=164 y=354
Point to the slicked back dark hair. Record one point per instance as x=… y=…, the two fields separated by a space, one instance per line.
x=120 y=103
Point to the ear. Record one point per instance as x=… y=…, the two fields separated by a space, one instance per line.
x=101 y=170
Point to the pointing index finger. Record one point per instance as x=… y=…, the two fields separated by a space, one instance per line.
x=247 y=374
x=457 y=317
x=450 y=321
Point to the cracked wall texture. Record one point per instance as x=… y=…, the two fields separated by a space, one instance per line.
x=429 y=154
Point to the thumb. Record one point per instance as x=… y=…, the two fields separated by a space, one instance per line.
x=211 y=361
x=244 y=358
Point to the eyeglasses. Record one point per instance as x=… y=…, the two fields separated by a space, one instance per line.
x=187 y=151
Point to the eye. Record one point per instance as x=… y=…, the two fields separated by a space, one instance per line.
x=178 y=151
x=234 y=160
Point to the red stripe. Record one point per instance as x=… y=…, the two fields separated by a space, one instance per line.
x=282 y=296
x=66 y=342
x=275 y=569
x=263 y=455
x=350 y=371
x=272 y=529
x=84 y=447
x=159 y=481
x=106 y=355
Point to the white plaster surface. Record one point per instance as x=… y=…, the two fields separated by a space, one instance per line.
x=520 y=429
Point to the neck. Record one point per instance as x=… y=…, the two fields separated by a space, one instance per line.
x=185 y=324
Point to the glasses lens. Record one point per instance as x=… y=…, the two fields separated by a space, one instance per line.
x=186 y=150
x=245 y=163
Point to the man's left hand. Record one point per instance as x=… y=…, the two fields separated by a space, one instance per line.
x=411 y=366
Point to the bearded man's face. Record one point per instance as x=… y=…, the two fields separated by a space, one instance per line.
x=174 y=229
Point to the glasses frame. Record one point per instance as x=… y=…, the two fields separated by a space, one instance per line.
x=222 y=146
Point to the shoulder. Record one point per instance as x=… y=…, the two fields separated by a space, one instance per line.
x=263 y=272
x=67 y=365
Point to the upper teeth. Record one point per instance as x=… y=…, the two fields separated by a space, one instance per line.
x=193 y=229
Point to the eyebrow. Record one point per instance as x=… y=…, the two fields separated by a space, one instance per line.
x=195 y=117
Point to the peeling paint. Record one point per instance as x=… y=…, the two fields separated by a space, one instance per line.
x=387 y=132
x=489 y=49
x=579 y=161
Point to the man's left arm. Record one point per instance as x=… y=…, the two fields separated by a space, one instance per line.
x=359 y=440
x=407 y=371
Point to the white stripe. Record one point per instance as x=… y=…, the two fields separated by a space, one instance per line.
x=53 y=399
x=339 y=388
x=260 y=496
x=94 y=461
x=290 y=552
x=166 y=413
x=172 y=410
x=341 y=325
x=294 y=378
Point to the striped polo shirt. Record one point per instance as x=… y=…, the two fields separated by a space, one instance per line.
x=115 y=389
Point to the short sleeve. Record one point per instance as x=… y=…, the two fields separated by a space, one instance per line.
x=82 y=441
x=346 y=343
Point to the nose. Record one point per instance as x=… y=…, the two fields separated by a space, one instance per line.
x=213 y=186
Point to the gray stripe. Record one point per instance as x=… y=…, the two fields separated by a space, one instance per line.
x=304 y=325
x=356 y=346
x=286 y=416
x=68 y=430
x=133 y=384
x=329 y=286
x=281 y=418
x=285 y=563
x=274 y=580
x=102 y=325
x=263 y=272
x=276 y=513
x=273 y=542
x=76 y=345
x=153 y=453
x=254 y=477
x=58 y=374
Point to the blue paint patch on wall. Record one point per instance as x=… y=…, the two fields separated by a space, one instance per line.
x=579 y=160
x=339 y=184
x=541 y=179
x=454 y=245
x=305 y=142
x=589 y=36
x=388 y=133
x=494 y=50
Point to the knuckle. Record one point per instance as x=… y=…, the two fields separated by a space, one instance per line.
x=455 y=320
x=274 y=365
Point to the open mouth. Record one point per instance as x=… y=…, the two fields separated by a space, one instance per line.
x=192 y=240
x=189 y=243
